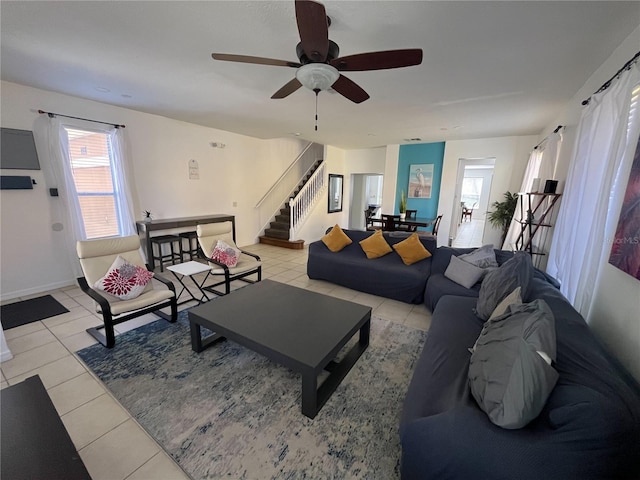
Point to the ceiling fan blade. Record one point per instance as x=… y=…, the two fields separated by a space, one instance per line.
x=378 y=60
x=257 y=60
x=313 y=28
x=349 y=89
x=288 y=89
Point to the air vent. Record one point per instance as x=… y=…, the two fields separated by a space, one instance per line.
x=416 y=139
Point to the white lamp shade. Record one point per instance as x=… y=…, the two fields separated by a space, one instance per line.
x=317 y=76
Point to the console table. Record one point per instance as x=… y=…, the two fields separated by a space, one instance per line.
x=146 y=227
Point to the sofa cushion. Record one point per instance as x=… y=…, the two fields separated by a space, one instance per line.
x=336 y=239
x=463 y=273
x=510 y=372
x=483 y=257
x=411 y=250
x=514 y=298
x=497 y=284
x=375 y=246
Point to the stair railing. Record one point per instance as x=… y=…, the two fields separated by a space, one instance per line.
x=300 y=205
x=283 y=188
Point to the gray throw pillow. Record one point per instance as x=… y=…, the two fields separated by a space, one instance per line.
x=498 y=283
x=462 y=272
x=483 y=257
x=510 y=372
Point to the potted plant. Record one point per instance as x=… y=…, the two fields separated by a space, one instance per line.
x=147 y=216
x=502 y=213
x=403 y=205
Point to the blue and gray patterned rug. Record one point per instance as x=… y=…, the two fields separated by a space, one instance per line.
x=231 y=413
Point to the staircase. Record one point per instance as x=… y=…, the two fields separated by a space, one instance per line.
x=279 y=230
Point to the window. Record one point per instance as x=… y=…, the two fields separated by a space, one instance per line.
x=471 y=190
x=91 y=158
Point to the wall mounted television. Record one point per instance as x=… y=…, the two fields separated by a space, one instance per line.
x=18 y=150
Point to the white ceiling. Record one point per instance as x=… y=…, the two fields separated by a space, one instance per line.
x=489 y=68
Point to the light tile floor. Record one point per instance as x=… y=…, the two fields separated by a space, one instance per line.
x=469 y=234
x=111 y=443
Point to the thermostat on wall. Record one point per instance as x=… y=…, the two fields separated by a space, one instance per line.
x=194 y=171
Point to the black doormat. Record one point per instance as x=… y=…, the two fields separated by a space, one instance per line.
x=27 y=311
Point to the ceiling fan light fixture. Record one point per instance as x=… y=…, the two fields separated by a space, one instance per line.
x=317 y=76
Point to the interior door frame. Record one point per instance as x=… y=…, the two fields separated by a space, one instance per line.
x=457 y=208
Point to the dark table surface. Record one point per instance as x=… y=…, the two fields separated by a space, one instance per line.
x=298 y=327
x=35 y=444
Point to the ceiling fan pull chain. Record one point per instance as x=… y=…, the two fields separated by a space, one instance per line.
x=317 y=90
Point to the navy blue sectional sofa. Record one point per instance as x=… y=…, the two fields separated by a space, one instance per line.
x=386 y=276
x=589 y=428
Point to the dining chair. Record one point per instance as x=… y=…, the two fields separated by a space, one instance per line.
x=369 y=220
x=390 y=222
x=436 y=225
x=467 y=212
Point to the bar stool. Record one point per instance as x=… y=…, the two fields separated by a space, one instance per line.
x=192 y=240
x=173 y=241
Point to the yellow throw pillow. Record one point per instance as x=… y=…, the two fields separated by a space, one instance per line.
x=336 y=239
x=375 y=246
x=411 y=250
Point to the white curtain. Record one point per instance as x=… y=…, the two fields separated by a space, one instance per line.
x=542 y=164
x=60 y=175
x=124 y=200
x=67 y=206
x=595 y=183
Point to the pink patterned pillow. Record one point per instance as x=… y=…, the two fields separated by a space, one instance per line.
x=124 y=280
x=225 y=253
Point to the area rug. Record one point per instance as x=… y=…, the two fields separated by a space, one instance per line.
x=231 y=413
x=32 y=310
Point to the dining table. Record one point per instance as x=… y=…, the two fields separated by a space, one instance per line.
x=411 y=224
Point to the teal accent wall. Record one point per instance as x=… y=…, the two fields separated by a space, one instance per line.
x=423 y=153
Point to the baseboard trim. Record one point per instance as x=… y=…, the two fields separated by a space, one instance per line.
x=38 y=289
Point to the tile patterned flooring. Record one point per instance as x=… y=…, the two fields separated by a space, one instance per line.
x=111 y=443
x=469 y=234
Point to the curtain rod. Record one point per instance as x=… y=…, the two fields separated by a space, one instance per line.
x=51 y=114
x=546 y=138
x=607 y=84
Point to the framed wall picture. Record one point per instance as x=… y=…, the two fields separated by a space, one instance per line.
x=335 y=193
x=420 y=180
x=625 y=251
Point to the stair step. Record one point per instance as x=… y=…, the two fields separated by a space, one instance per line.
x=283 y=219
x=293 y=244
x=274 y=233
x=279 y=225
x=285 y=211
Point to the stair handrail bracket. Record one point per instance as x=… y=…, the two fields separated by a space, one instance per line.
x=301 y=205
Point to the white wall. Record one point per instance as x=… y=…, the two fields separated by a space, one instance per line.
x=511 y=155
x=614 y=318
x=159 y=149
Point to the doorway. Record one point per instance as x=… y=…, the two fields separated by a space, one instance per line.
x=366 y=191
x=471 y=202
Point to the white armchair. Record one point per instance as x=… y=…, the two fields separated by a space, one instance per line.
x=96 y=258
x=248 y=263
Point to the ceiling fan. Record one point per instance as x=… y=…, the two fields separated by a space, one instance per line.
x=319 y=66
